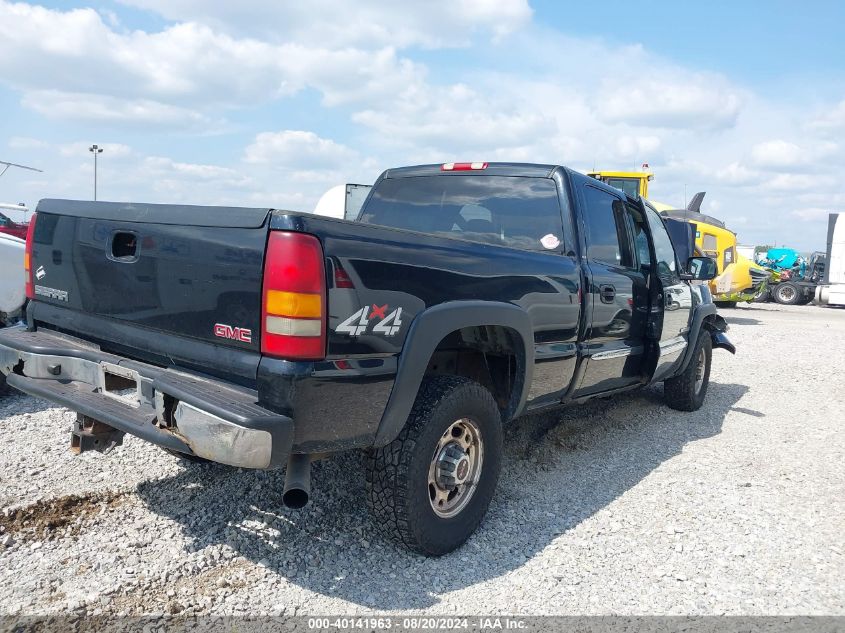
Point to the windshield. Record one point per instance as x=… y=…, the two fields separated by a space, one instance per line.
x=631 y=186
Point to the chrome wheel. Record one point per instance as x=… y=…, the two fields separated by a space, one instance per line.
x=455 y=468
x=700 y=367
x=786 y=293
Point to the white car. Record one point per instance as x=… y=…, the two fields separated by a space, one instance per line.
x=12 y=280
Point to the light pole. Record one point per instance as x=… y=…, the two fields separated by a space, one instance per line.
x=95 y=149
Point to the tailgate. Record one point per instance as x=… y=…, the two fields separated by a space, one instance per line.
x=183 y=270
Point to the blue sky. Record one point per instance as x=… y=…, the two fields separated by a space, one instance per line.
x=755 y=42
x=271 y=104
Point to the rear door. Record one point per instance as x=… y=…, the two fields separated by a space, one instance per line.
x=617 y=294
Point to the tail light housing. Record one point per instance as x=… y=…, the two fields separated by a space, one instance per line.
x=293 y=315
x=27 y=259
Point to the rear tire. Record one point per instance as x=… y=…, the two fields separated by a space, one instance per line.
x=686 y=391
x=420 y=486
x=787 y=294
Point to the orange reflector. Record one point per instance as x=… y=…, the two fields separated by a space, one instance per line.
x=29 y=284
x=294 y=304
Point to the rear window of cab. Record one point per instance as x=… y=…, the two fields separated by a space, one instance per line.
x=516 y=211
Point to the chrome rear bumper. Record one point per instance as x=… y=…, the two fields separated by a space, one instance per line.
x=178 y=410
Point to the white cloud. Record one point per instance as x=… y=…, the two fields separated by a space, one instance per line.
x=784 y=155
x=72 y=65
x=281 y=83
x=695 y=101
x=778 y=154
x=287 y=169
x=637 y=146
x=442 y=115
x=23 y=142
x=299 y=150
x=811 y=214
x=80 y=149
x=54 y=104
x=793 y=182
x=830 y=119
x=363 y=23
x=737 y=174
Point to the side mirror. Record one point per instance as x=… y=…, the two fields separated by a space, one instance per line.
x=700 y=269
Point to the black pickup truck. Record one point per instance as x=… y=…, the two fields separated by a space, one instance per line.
x=464 y=296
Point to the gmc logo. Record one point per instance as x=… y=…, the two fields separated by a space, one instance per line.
x=241 y=334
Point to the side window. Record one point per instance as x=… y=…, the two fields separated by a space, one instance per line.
x=667 y=267
x=640 y=236
x=709 y=244
x=4 y=221
x=608 y=240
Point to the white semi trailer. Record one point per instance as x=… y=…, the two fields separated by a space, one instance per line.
x=343 y=201
x=832 y=289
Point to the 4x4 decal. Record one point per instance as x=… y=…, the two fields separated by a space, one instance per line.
x=357 y=324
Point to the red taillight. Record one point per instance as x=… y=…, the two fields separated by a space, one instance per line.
x=27 y=259
x=293 y=315
x=462 y=166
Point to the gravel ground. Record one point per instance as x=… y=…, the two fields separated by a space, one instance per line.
x=621 y=506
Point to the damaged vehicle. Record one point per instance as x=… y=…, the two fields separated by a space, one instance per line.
x=464 y=296
x=12 y=295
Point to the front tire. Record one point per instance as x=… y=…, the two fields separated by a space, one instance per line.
x=430 y=487
x=763 y=297
x=686 y=391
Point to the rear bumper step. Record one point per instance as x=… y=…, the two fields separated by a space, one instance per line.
x=184 y=412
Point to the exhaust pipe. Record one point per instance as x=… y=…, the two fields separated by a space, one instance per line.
x=297 y=481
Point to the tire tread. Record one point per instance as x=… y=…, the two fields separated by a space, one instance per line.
x=679 y=391
x=388 y=467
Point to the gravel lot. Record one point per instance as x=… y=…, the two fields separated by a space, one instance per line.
x=621 y=506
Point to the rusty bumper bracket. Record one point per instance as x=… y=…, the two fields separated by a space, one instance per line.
x=90 y=434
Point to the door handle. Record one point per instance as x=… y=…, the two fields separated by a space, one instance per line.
x=607 y=293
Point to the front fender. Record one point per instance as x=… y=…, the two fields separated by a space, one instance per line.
x=701 y=312
x=432 y=326
x=721 y=341
x=706 y=316
x=717 y=327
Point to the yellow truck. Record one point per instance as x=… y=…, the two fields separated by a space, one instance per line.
x=739 y=278
x=634 y=183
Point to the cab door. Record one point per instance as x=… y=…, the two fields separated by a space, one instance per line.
x=671 y=296
x=617 y=295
